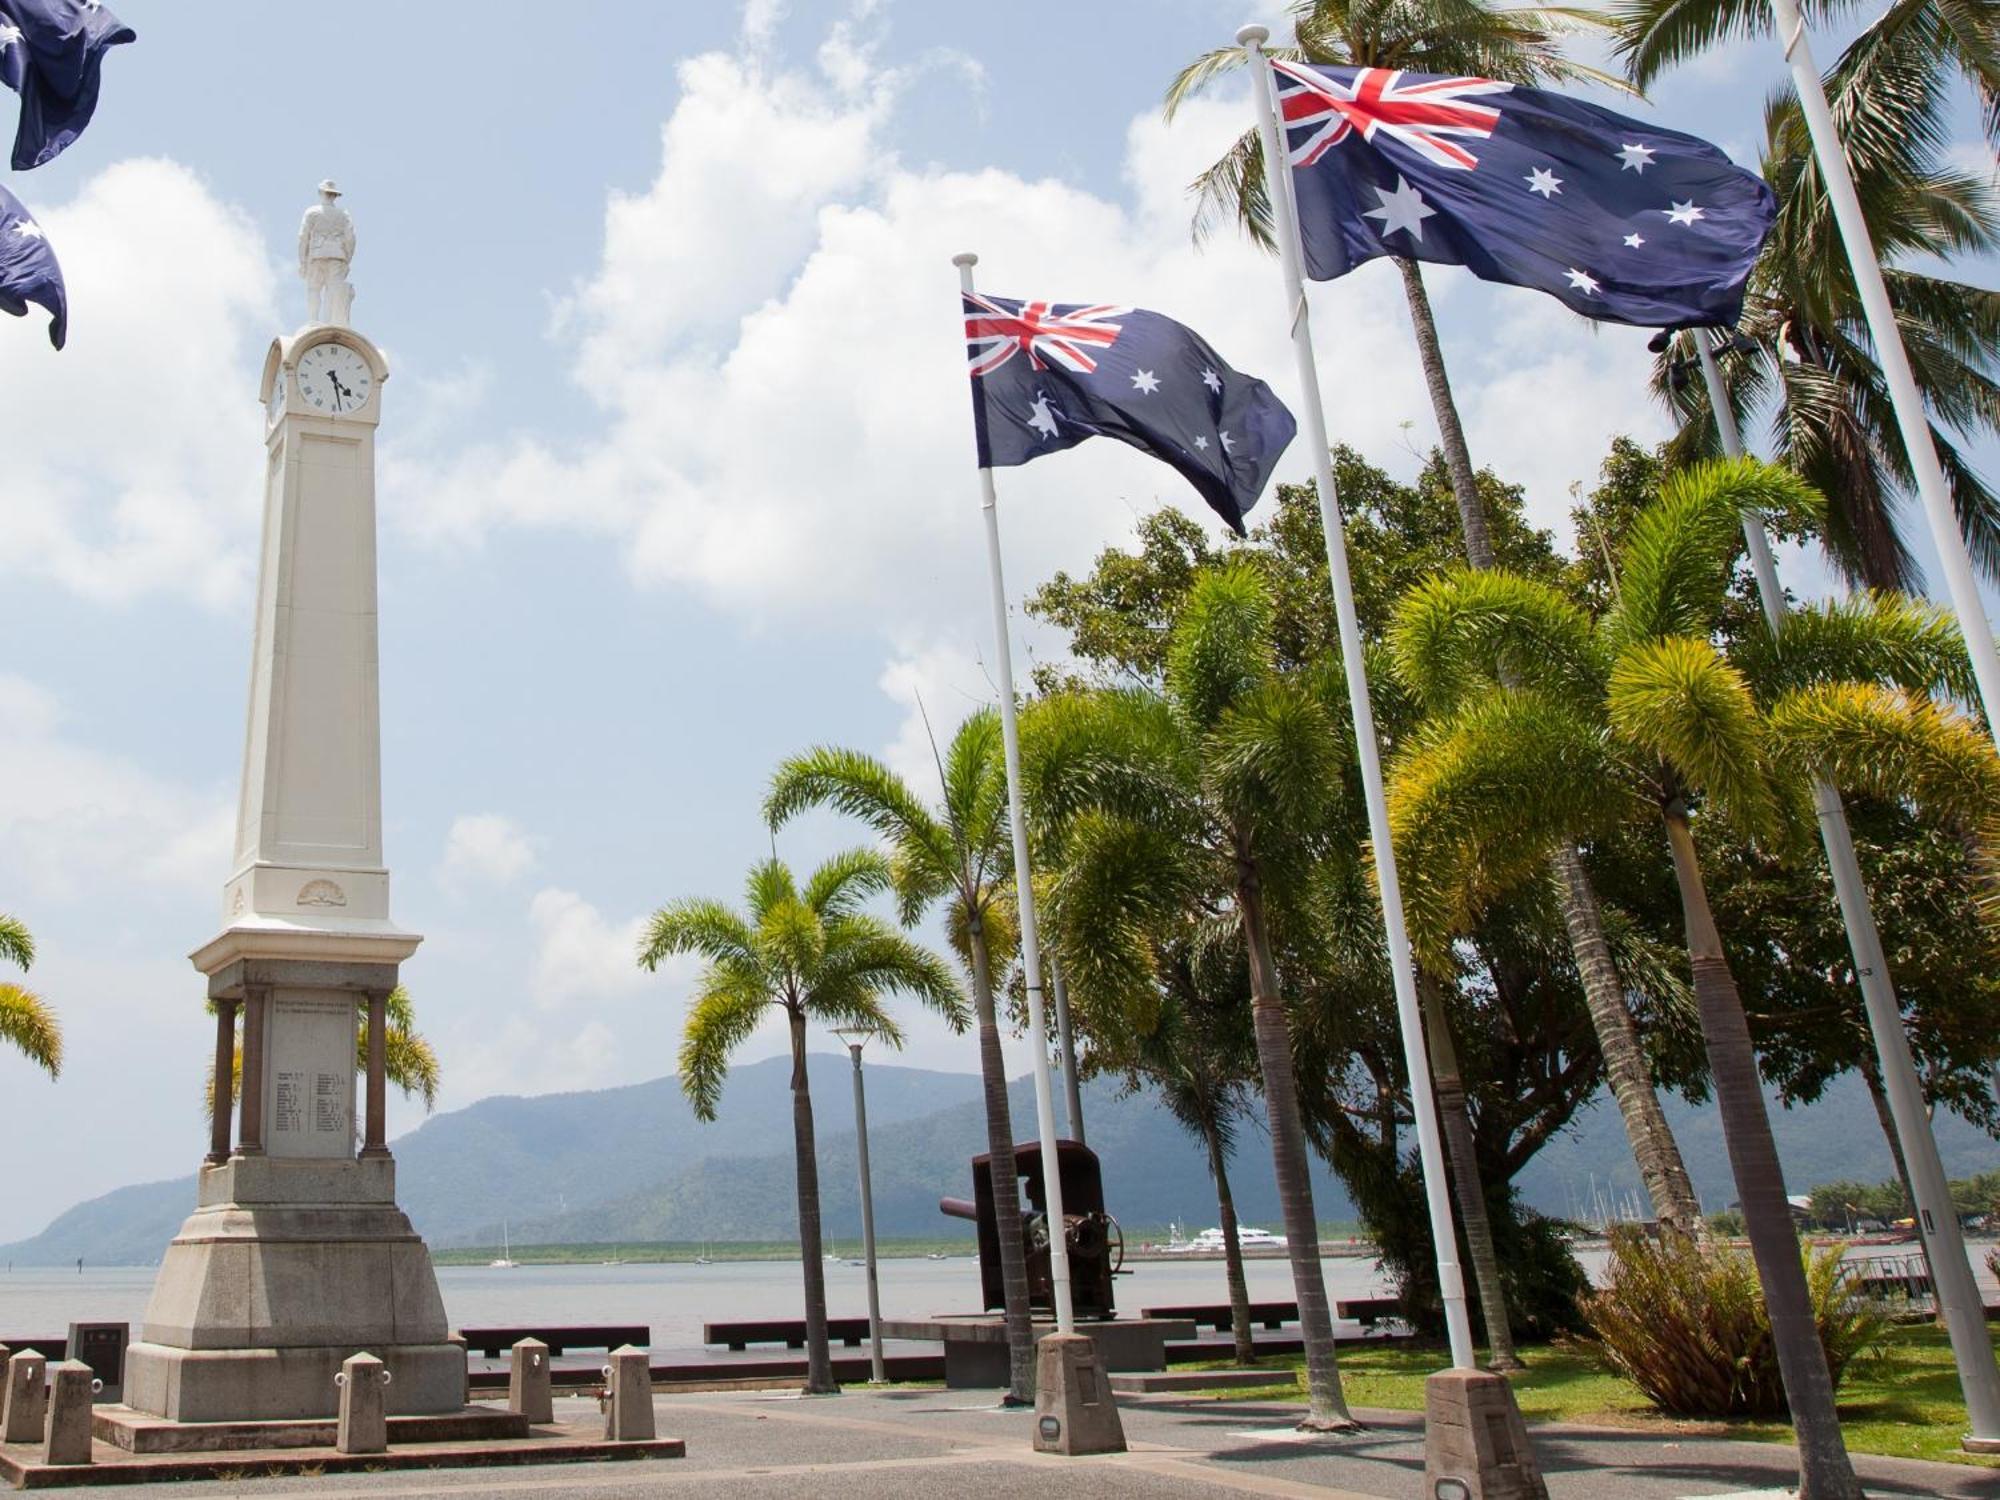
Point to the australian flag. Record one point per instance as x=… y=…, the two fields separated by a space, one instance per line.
x=28 y=269
x=52 y=54
x=1047 y=375
x=1619 y=220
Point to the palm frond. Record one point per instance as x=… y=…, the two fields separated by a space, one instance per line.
x=725 y=1011
x=1274 y=757
x=1480 y=797
x=1680 y=699
x=866 y=958
x=1221 y=648
x=1678 y=554
x=17 y=945
x=843 y=881
x=1879 y=638
x=1866 y=738
x=696 y=925
x=411 y=1064
x=1457 y=634
x=860 y=787
x=29 y=1025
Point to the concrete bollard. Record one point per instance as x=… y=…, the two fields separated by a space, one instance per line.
x=1475 y=1446
x=528 y=1382
x=27 y=1398
x=628 y=1379
x=457 y=1340
x=66 y=1435
x=364 y=1426
x=1074 y=1412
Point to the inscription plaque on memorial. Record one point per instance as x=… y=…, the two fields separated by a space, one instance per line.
x=311 y=1101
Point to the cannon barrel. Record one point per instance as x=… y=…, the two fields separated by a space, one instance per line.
x=958 y=1208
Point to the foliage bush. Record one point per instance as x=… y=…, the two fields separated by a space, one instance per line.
x=1539 y=1275
x=1686 y=1323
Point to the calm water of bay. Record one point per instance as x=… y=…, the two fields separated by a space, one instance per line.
x=674 y=1300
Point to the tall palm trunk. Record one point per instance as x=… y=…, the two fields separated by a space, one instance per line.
x=1824 y=1470
x=1006 y=1182
x=1652 y=1141
x=1232 y=1246
x=1451 y=433
x=1465 y=1180
x=1326 y=1403
x=819 y=1362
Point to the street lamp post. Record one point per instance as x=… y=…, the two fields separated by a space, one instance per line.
x=854 y=1036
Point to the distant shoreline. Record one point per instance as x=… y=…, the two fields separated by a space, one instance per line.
x=1139 y=1248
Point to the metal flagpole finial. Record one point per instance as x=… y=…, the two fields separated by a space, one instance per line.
x=965 y=258
x=1253 y=35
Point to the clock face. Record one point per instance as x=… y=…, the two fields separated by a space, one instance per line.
x=274 y=404
x=333 y=378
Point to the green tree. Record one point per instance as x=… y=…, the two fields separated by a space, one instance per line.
x=1960 y=36
x=1517 y=45
x=810 y=954
x=1199 y=1056
x=960 y=853
x=27 y=1023
x=1804 y=358
x=1642 y=710
x=1152 y=805
x=1527 y=1063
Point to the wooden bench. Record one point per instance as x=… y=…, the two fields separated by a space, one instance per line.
x=1368 y=1311
x=1217 y=1315
x=791 y=1332
x=494 y=1342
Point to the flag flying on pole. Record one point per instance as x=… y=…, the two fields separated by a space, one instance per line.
x=1047 y=375
x=1619 y=220
x=28 y=269
x=51 y=54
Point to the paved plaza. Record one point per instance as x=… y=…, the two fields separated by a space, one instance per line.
x=946 y=1444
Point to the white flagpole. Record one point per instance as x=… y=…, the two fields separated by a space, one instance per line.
x=1888 y=340
x=1430 y=1150
x=1958 y=1296
x=1031 y=947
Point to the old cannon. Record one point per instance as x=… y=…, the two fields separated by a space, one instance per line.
x=1095 y=1243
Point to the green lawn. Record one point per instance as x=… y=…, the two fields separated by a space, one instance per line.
x=1901 y=1399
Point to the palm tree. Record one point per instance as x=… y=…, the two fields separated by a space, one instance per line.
x=1641 y=711
x=961 y=852
x=1198 y=1057
x=1960 y=36
x=409 y=1060
x=1803 y=354
x=26 y=1021
x=1217 y=791
x=810 y=954
x=1517 y=46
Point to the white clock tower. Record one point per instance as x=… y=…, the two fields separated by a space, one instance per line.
x=296 y=1255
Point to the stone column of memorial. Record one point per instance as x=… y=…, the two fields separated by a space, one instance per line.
x=296 y=1255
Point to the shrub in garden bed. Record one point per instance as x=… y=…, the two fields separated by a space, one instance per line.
x=1686 y=1323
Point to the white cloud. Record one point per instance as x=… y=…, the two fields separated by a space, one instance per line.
x=938 y=686
x=485 y=847
x=774 y=349
x=77 y=822
x=130 y=454
x=520 y=1055
x=579 y=955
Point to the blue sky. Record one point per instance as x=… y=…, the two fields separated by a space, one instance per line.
x=675 y=469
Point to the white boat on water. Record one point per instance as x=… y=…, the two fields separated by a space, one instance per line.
x=506 y=1262
x=1209 y=1242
